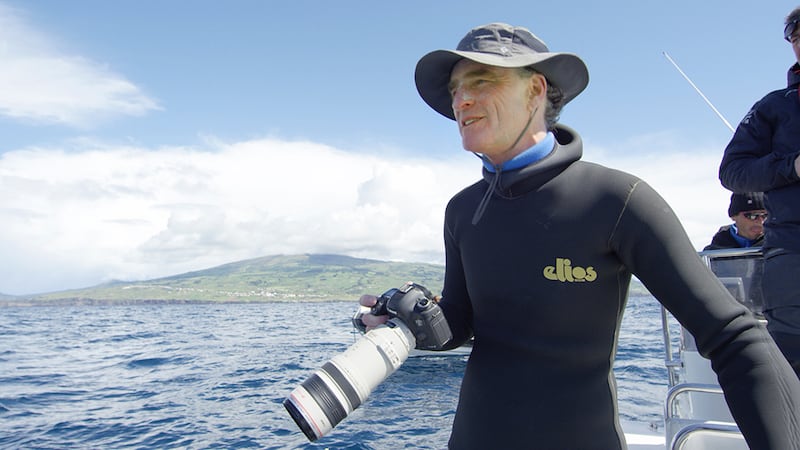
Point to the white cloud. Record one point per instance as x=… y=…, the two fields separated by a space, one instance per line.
x=128 y=213
x=42 y=85
x=74 y=219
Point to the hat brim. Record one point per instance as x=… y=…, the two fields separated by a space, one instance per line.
x=432 y=75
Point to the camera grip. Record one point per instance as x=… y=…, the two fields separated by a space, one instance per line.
x=357 y=322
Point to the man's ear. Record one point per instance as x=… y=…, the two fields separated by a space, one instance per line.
x=537 y=86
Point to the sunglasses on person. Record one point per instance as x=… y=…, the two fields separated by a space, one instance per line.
x=754 y=216
x=790 y=27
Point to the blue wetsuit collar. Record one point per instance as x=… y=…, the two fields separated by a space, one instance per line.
x=526 y=158
x=529 y=156
x=742 y=241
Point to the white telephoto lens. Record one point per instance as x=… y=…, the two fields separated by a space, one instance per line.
x=344 y=382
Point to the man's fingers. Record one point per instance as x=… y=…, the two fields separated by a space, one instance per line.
x=368 y=300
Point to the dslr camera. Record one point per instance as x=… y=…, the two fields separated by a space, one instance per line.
x=346 y=380
x=416 y=307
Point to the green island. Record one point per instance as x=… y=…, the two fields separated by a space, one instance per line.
x=278 y=278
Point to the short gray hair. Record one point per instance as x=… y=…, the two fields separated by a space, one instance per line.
x=555 y=98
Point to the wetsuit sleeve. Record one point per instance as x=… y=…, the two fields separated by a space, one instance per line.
x=749 y=163
x=455 y=299
x=761 y=389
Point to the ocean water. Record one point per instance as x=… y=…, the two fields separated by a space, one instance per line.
x=215 y=376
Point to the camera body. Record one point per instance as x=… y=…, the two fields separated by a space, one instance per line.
x=416 y=307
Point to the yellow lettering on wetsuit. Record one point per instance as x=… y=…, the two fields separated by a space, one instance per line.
x=565 y=272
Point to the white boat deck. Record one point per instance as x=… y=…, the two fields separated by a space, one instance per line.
x=641 y=437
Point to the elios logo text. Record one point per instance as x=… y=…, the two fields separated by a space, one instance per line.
x=564 y=271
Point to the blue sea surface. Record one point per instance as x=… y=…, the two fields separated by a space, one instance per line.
x=215 y=376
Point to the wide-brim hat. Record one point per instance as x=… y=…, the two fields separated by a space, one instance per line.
x=500 y=45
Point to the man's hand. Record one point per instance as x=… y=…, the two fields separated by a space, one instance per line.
x=370 y=320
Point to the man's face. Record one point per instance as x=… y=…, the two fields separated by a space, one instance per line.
x=750 y=223
x=492 y=106
x=794 y=39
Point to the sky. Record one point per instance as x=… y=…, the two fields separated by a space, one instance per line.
x=146 y=138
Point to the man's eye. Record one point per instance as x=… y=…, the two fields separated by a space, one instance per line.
x=479 y=83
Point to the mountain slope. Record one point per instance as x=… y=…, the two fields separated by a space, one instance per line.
x=270 y=278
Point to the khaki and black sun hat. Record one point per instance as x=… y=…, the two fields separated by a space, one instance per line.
x=500 y=45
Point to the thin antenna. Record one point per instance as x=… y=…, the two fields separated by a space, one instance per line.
x=701 y=94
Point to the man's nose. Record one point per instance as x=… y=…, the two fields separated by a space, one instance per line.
x=462 y=98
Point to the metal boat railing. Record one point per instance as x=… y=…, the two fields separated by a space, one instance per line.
x=671 y=360
x=696 y=415
x=670 y=408
x=681 y=428
x=708 y=436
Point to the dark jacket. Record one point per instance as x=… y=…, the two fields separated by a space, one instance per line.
x=724 y=239
x=760 y=157
x=541 y=280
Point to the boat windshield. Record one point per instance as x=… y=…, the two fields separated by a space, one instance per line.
x=741 y=271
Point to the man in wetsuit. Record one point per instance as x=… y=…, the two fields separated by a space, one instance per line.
x=764 y=155
x=747 y=230
x=539 y=256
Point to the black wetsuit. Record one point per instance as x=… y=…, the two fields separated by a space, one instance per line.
x=541 y=281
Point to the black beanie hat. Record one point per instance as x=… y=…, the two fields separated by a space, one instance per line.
x=748 y=201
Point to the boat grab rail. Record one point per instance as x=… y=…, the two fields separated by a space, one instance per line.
x=675 y=391
x=671 y=361
x=684 y=434
x=680 y=429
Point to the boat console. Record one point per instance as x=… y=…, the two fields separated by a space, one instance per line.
x=695 y=413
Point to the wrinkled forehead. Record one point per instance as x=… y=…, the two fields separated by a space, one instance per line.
x=466 y=67
x=465 y=70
